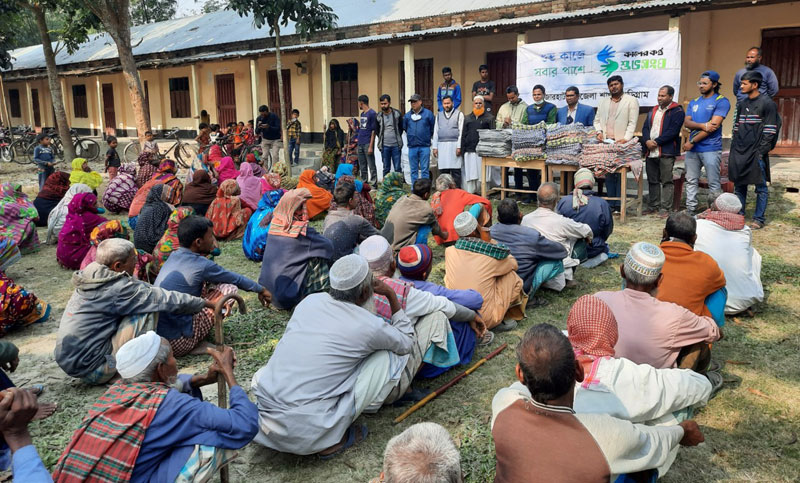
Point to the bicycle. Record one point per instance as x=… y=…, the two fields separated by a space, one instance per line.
x=85 y=148
x=184 y=153
x=55 y=144
x=6 y=154
x=19 y=146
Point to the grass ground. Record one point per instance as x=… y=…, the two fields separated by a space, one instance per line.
x=751 y=427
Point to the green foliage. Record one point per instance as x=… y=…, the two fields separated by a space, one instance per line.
x=308 y=16
x=150 y=11
x=212 y=6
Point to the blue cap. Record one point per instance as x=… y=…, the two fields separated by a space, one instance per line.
x=711 y=74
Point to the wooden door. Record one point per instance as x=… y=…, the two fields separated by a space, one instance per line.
x=226 y=99
x=423 y=84
x=272 y=86
x=780 y=52
x=109 y=116
x=503 y=71
x=37 y=115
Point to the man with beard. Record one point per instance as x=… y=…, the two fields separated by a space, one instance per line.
x=336 y=359
x=752 y=63
x=447 y=131
x=390 y=135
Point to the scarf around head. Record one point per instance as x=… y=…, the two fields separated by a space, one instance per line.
x=200 y=191
x=78 y=175
x=55 y=187
x=728 y=221
x=592 y=328
x=152 y=220
x=273 y=181
x=583 y=179
x=249 y=185
x=391 y=190
x=320 y=197
x=169 y=241
x=290 y=218
x=226 y=170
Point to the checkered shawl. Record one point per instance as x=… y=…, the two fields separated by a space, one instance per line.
x=105 y=446
x=401 y=288
x=476 y=245
x=592 y=327
x=729 y=221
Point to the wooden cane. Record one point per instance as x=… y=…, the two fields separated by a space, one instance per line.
x=450 y=384
x=219 y=339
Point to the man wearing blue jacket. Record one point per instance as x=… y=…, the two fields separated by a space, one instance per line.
x=661 y=143
x=573 y=111
x=419 y=123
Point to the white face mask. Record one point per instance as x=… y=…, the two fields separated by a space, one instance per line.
x=539 y=102
x=416 y=117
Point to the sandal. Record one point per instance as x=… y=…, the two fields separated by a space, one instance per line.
x=349 y=442
x=487 y=339
x=36 y=389
x=756 y=225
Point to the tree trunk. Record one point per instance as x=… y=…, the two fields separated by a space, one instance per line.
x=116 y=18
x=55 y=86
x=284 y=137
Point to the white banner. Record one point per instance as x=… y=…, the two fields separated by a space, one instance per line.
x=645 y=60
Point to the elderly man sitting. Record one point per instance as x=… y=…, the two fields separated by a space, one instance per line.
x=692 y=278
x=108 y=308
x=488 y=268
x=428 y=312
x=336 y=359
x=342 y=226
x=584 y=207
x=534 y=414
x=411 y=219
x=424 y=452
x=662 y=334
x=560 y=229
x=619 y=387
x=722 y=233
x=449 y=201
x=539 y=259
x=153 y=425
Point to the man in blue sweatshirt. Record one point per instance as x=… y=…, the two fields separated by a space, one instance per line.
x=419 y=123
x=752 y=62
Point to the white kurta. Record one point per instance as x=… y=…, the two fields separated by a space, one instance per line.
x=740 y=262
x=628 y=447
x=447 y=149
x=558 y=228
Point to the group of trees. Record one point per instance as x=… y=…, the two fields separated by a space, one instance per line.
x=69 y=23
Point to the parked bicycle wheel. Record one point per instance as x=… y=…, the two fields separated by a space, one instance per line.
x=18 y=150
x=6 y=154
x=132 y=151
x=87 y=149
x=185 y=154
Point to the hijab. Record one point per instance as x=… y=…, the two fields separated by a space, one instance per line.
x=390 y=191
x=320 y=197
x=169 y=240
x=152 y=220
x=583 y=179
x=55 y=187
x=78 y=175
x=273 y=181
x=200 y=191
x=226 y=170
x=250 y=186
x=290 y=218
x=55 y=221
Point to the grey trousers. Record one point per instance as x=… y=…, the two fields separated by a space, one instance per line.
x=269 y=151
x=366 y=160
x=659 y=181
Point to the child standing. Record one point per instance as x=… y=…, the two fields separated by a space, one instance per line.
x=112 y=158
x=44 y=159
x=293 y=131
x=203 y=139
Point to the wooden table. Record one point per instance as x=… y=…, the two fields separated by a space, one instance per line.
x=504 y=164
x=623 y=198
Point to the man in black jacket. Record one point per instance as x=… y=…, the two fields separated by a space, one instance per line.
x=754 y=129
x=661 y=143
x=390 y=135
x=479 y=118
x=268 y=125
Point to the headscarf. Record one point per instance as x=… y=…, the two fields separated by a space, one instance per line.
x=121 y=190
x=55 y=187
x=273 y=181
x=215 y=155
x=200 y=191
x=73 y=241
x=17 y=215
x=146 y=168
x=169 y=241
x=167 y=175
x=583 y=179
x=78 y=175
x=320 y=198
x=592 y=328
x=249 y=185
x=55 y=221
x=258 y=170
x=365 y=208
x=725 y=212
x=290 y=218
x=226 y=170
x=103 y=231
x=226 y=212
x=334 y=138
x=390 y=191
x=255 y=235
x=152 y=220
x=166 y=170
x=414 y=261
x=343 y=170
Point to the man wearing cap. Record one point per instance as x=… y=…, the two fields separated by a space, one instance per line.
x=560 y=229
x=450 y=200
x=584 y=207
x=661 y=142
x=108 y=308
x=722 y=233
x=653 y=332
x=429 y=313
x=336 y=359
x=704 y=146
x=489 y=269
x=153 y=425
x=752 y=63
x=448 y=88
x=539 y=259
x=419 y=125
x=478 y=119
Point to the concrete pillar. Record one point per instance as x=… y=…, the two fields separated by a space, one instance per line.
x=379 y=74
x=408 y=75
x=4 y=114
x=254 y=87
x=101 y=126
x=30 y=103
x=164 y=106
x=195 y=98
x=325 y=75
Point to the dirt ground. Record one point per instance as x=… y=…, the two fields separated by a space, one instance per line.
x=751 y=427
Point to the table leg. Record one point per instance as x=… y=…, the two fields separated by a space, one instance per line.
x=503 y=181
x=623 y=194
x=483 y=178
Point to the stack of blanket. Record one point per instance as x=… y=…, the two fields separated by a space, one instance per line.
x=605 y=158
x=528 y=142
x=565 y=142
x=494 y=143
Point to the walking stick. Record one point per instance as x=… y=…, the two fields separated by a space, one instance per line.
x=450 y=384
x=219 y=339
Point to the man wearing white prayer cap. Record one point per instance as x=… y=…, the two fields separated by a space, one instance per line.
x=487 y=268
x=336 y=359
x=651 y=331
x=722 y=233
x=162 y=427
